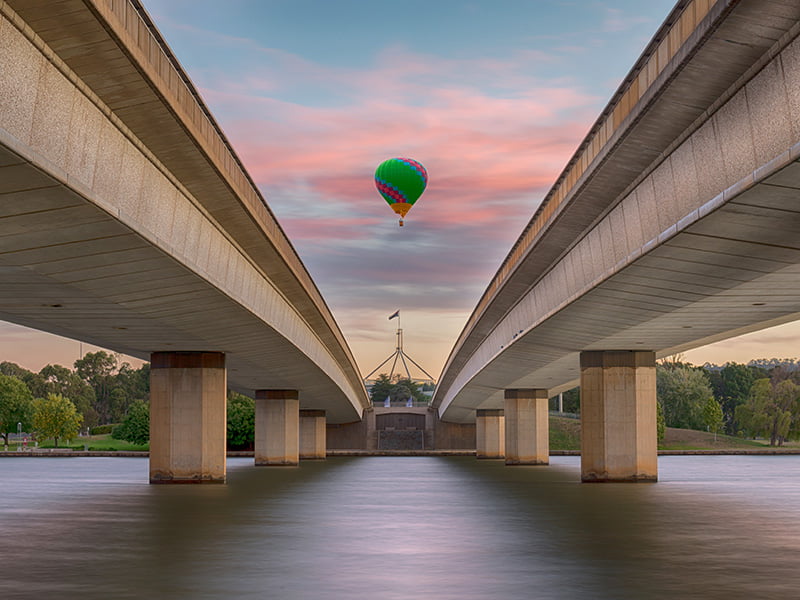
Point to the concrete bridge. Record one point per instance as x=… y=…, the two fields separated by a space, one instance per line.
x=675 y=224
x=127 y=221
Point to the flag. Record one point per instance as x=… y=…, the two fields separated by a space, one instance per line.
x=396 y=314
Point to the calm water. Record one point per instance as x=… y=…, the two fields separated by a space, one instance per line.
x=390 y=528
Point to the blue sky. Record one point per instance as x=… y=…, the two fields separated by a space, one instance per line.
x=590 y=42
x=493 y=97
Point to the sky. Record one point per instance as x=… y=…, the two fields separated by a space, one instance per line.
x=493 y=97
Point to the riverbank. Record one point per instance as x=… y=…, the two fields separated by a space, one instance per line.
x=334 y=453
x=564 y=441
x=565 y=435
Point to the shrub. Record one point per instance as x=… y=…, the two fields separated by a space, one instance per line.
x=136 y=426
x=102 y=429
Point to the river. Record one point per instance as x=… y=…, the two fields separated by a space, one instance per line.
x=389 y=528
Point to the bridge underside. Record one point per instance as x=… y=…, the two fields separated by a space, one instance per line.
x=676 y=224
x=730 y=272
x=128 y=222
x=69 y=267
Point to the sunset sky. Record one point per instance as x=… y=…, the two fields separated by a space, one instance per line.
x=492 y=97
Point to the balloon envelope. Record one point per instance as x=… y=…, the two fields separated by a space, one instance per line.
x=401 y=182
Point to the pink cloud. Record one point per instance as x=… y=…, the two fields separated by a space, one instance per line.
x=475 y=147
x=328 y=228
x=311 y=138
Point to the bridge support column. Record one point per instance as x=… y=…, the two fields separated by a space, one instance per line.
x=371 y=428
x=490 y=437
x=277 y=428
x=618 y=416
x=187 y=417
x=312 y=434
x=526 y=424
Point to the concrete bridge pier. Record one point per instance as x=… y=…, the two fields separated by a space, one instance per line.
x=187 y=417
x=618 y=416
x=312 y=435
x=371 y=427
x=527 y=437
x=490 y=437
x=277 y=430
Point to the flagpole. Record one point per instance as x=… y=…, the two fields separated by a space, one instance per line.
x=399 y=334
x=399 y=354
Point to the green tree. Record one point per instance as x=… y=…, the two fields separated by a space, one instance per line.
x=398 y=389
x=712 y=416
x=773 y=410
x=118 y=404
x=15 y=406
x=35 y=382
x=12 y=370
x=241 y=421
x=381 y=389
x=58 y=379
x=135 y=427
x=98 y=369
x=661 y=425
x=572 y=400
x=406 y=389
x=731 y=386
x=135 y=382
x=401 y=393
x=751 y=417
x=56 y=417
x=682 y=391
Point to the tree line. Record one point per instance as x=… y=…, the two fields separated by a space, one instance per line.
x=758 y=399
x=398 y=390
x=100 y=394
x=57 y=402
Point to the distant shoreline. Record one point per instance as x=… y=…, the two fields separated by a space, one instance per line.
x=335 y=453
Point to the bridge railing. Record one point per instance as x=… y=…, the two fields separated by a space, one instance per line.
x=681 y=23
x=133 y=26
x=143 y=34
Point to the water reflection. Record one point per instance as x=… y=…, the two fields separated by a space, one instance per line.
x=398 y=528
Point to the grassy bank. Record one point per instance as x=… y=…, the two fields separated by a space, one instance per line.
x=98 y=443
x=689 y=439
x=565 y=434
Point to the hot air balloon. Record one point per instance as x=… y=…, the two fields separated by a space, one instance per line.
x=401 y=181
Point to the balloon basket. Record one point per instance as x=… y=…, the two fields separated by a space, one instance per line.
x=401 y=222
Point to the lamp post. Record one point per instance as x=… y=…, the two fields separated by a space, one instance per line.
x=19 y=433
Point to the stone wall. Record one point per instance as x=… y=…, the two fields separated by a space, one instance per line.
x=347 y=436
x=401 y=429
x=454 y=436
